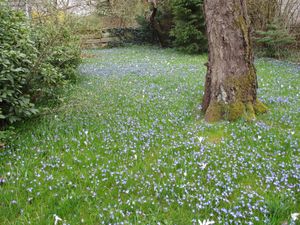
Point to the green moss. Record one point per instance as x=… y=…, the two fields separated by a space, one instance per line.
x=260 y=107
x=234 y=111
x=250 y=112
x=239 y=110
x=243 y=84
x=214 y=112
x=242 y=25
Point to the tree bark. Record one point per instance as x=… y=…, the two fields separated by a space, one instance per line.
x=162 y=35
x=231 y=82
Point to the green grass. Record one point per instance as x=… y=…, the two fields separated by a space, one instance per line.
x=131 y=147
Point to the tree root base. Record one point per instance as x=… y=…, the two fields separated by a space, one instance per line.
x=220 y=111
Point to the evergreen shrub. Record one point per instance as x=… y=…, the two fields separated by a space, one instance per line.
x=275 y=41
x=189 y=29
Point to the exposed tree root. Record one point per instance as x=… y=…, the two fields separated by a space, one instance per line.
x=217 y=111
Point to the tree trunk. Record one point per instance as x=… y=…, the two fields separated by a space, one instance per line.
x=231 y=83
x=162 y=35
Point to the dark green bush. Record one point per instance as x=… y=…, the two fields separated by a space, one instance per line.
x=35 y=62
x=189 y=29
x=146 y=32
x=158 y=33
x=275 y=41
x=17 y=55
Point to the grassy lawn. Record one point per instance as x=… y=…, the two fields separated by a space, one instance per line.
x=129 y=146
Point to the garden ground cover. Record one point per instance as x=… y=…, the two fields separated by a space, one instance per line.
x=128 y=145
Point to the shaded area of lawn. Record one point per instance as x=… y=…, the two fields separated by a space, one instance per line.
x=129 y=146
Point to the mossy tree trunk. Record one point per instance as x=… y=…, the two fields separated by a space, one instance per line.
x=231 y=82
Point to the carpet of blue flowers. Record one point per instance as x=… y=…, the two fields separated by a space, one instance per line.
x=128 y=145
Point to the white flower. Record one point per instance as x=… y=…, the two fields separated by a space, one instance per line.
x=206 y=222
x=56 y=219
x=202 y=165
x=295 y=216
x=259 y=137
x=201 y=139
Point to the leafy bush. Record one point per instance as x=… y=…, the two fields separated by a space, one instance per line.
x=17 y=55
x=275 y=40
x=34 y=63
x=189 y=29
x=58 y=54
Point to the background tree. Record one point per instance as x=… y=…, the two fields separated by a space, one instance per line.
x=160 y=20
x=264 y=12
x=125 y=11
x=276 y=40
x=231 y=82
x=274 y=26
x=189 y=26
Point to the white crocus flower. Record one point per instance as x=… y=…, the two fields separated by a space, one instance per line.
x=203 y=165
x=206 y=222
x=295 y=216
x=201 y=139
x=259 y=137
x=56 y=219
